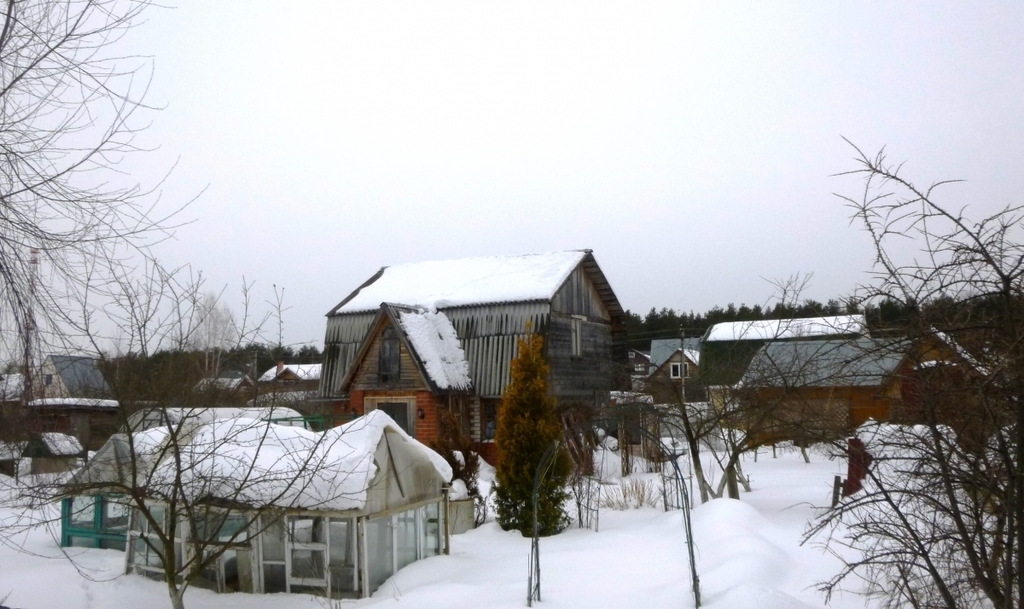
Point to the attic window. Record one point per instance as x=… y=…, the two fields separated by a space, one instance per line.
x=577 y=335
x=675 y=370
x=389 y=369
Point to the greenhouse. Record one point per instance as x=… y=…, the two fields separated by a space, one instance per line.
x=375 y=502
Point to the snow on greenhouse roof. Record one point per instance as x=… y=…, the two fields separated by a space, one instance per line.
x=261 y=464
x=454 y=283
x=437 y=344
x=776 y=329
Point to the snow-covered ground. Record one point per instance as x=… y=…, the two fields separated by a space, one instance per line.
x=748 y=555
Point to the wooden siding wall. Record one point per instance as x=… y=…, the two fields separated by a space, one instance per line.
x=578 y=296
x=587 y=377
x=344 y=335
x=409 y=378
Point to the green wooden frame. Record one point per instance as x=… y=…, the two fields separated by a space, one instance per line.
x=96 y=533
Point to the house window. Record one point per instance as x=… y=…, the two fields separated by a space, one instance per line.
x=48 y=380
x=577 y=335
x=389 y=369
x=488 y=419
x=674 y=370
x=639 y=367
x=686 y=370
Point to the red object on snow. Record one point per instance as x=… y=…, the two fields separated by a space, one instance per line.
x=858 y=461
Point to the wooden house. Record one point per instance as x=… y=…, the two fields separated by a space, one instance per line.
x=822 y=389
x=70 y=376
x=726 y=349
x=827 y=387
x=420 y=336
x=675 y=379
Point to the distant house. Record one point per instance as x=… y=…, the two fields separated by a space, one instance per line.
x=418 y=337
x=675 y=377
x=296 y=386
x=824 y=388
x=301 y=375
x=71 y=376
x=727 y=348
x=824 y=377
x=233 y=382
x=639 y=363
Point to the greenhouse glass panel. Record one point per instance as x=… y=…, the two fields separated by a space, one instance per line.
x=405 y=538
x=83 y=512
x=380 y=554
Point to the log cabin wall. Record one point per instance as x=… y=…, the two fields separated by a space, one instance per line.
x=587 y=377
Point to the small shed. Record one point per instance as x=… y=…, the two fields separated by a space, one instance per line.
x=374 y=503
x=53 y=453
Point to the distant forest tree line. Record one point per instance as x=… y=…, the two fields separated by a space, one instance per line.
x=669 y=323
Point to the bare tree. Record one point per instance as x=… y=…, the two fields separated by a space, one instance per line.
x=69 y=117
x=941 y=520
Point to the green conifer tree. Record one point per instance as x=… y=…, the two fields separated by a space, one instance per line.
x=527 y=426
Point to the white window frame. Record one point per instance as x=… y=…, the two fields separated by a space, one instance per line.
x=675 y=370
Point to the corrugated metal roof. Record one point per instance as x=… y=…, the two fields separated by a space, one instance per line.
x=80 y=374
x=825 y=363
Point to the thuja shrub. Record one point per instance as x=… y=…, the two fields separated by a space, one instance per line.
x=527 y=427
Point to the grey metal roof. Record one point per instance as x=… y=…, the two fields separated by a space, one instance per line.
x=663 y=348
x=80 y=374
x=825 y=363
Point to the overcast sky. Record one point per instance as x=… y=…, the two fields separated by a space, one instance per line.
x=690 y=146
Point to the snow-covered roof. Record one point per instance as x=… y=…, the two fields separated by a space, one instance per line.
x=305 y=372
x=79 y=402
x=222 y=383
x=631 y=397
x=61 y=445
x=773 y=329
x=693 y=355
x=11 y=450
x=435 y=341
x=258 y=463
x=453 y=283
x=11 y=386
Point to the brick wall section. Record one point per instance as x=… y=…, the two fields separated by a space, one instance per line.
x=426 y=428
x=487 y=450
